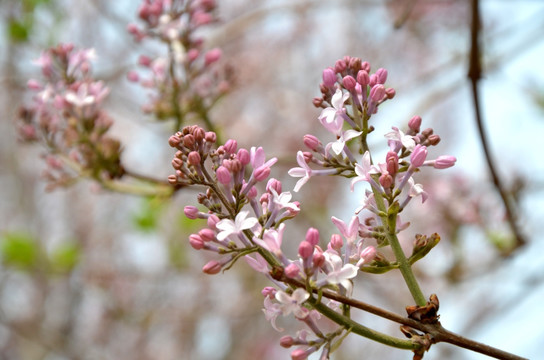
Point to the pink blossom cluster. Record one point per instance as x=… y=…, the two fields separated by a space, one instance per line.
x=189 y=79
x=245 y=222
x=66 y=115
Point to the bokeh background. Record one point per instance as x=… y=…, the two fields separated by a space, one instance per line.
x=90 y=274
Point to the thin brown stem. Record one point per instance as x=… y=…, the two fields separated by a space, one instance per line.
x=475 y=74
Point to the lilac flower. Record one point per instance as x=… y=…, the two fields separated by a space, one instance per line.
x=272 y=240
x=338 y=272
x=397 y=139
x=304 y=171
x=271 y=311
x=293 y=303
x=350 y=232
x=364 y=170
x=337 y=110
x=259 y=264
x=240 y=223
x=343 y=137
x=417 y=190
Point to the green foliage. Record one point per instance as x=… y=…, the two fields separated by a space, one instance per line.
x=147 y=218
x=64 y=258
x=20 y=27
x=19 y=250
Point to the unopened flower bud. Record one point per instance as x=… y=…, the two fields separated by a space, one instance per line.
x=261 y=173
x=291 y=271
x=192 y=54
x=392 y=162
x=174 y=140
x=244 y=156
x=381 y=75
x=230 y=146
x=368 y=254
x=223 y=175
x=318 y=259
x=418 y=156
x=349 y=82
x=172 y=179
x=365 y=66
x=196 y=242
x=191 y=212
x=305 y=249
x=386 y=181
x=317 y=101
x=444 y=162
x=433 y=139
x=193 y=158
x=427 y=132
x=207 y=234
x=329 y=77
x=299 y=354
x=377 y=93
x=339 y=66
x=189 y=141
x=312 y=236
x=274 y=184
x=311 y=142
x=212 y=56
x=210 y=137
x=336 y=242
x=287 y=341
x=212 y=267
x=415 y=124
x=363 y=78
x=269 y=291
x=212 y=221
x=390 y=93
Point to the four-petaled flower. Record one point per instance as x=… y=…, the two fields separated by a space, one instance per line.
x=293 y=303
x=240 y=223
x=364 y=170
x=330 y=114
x=304 y=171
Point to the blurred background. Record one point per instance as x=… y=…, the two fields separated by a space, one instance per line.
x=90 y=274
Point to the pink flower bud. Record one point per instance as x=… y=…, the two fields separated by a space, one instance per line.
x=368 y=254
x=349 y=82
x=223 y=175
x=252 y=193
x=418 y=156
x=274 y=184
x=193 y=158
x=244 y=156
x=192 y=54
x=210 y=137
x=191 y=212
x=339 y=66
x=305 y=249
x=230 y=146
x=444 y=162
x=336 y=242
x=287 y=341
x=390 y=93
x=174 y=140
x=299 y=354
x=212 y=56
x=144 y=60
x=196 y=242
x=386 y=181
x=291 y=271
x=392 y=162
x=34 y=84
x=212 y=267
x=261 y=173
x=207 y=234
x=318 y=259
x=363 y=78
x=294 y=212
x=172 y=179
x=212 y=221
x=269 y=291
x=311 y=142
x=329 y=77
x=365 y=66
x=312 y=236
x=415 y=123
x=381 y=76
x=133 y=76
x=377 y=93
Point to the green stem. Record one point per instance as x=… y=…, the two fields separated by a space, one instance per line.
x=359 y=329
x=404 y=265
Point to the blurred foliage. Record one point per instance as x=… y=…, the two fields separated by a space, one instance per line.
x=19 y=250
x=20 y=25
x=147 y=217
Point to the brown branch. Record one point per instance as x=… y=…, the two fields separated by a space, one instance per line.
x=475 y=74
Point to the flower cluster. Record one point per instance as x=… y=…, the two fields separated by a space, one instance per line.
x=66 y=115
x=190 y=79
x=351 y=96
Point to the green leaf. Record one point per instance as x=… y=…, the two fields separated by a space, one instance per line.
x=18 y=31
x=65 y=257
x=147 y=219
x=19 y=250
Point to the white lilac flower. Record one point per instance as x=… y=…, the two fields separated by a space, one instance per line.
x=240 y=223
